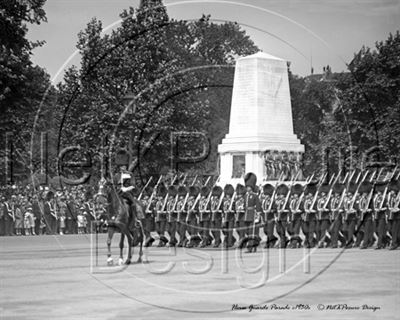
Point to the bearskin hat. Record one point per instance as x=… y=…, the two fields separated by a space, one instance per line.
x=250 y=180
x=182 y=190
x=205 y=191
x=324 y=188
x=217 y=191
x=351 y=187
x=338 y=188
x=297 y=189
x=311 y=187
x=148 y=191
x=194 y=191
x=229 y=190
x=380 y=186
x=393 y=186
x=282 y=189
x=161 y=190
x=240 y=189
x=172 y=191
x=365 y=187
x=268 y=189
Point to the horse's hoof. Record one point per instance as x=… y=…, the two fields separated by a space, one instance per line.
x=127 y=262
x=139 y=260
x=110 y=261
x=120 y=262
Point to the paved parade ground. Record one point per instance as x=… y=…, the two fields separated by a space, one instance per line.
x=51 y=277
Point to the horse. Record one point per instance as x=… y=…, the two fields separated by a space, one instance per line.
x=129 y=212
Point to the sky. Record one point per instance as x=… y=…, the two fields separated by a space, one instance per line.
x=305 y=32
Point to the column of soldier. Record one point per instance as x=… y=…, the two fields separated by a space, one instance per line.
x=360 y=210
x=24 y=211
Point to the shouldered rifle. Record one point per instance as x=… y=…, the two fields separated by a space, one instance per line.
x=144 y=188
x=331 y=190
x=187 y=195
x=153 y=193
x=199 y=195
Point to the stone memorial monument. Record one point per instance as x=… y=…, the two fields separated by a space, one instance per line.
x=260 y=138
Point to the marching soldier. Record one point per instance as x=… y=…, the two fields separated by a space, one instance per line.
x=365 y=227
x=349 y=218
x=172 y=214
x=379 y=205
x=323 y=217
x=148 y=222
x=205 y=216
x=281 y=217
x=336 y=213
x=295 y=216
x=309 y=215
x=191 y=220
x=216 y=215
x=239 y=206
x=394 y=212
x=182 y=215
x=161 y=214
x=228 y=220
x=268 y=206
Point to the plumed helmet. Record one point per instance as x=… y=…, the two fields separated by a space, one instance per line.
x=240 y=189
x=229 y=190
x=205 y=191
x=282 y=189
x=250 y=180
x=268 y=189
x=217 y=191
x=182 y=190
x=297 y=189
x=194 y=191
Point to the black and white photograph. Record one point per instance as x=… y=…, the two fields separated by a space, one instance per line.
x=199 y=159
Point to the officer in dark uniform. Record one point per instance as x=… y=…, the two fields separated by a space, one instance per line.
x=228 y=218
x=161 y=214
x=281 y=215
x=269 y=207
x=50 y=213
x=172 y=214
x=295 y=216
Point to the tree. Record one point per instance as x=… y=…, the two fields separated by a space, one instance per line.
x=22 y=85
x=175 y=72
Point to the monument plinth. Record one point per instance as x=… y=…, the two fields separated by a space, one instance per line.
x=261 y=117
